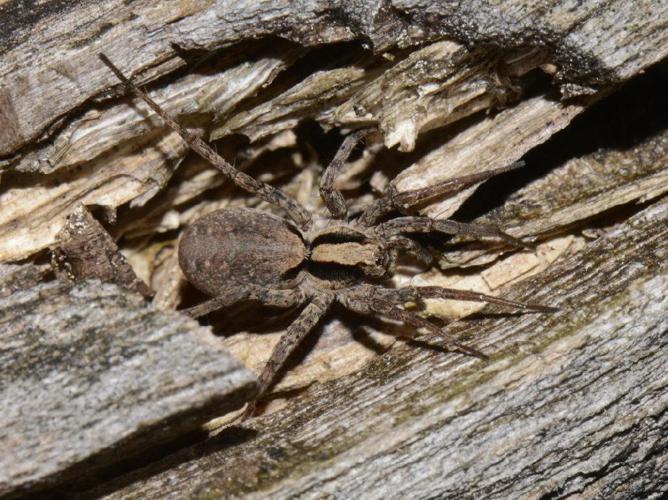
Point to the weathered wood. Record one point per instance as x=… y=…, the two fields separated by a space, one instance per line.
x=114 y=155
x=90 y=375
x=85 y=251
x=572 y=403
x=392 y=429
x=592 y=43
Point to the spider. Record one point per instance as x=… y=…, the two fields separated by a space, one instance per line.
x=242 y=254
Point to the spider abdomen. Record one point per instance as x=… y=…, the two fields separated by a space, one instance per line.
x=238 y=246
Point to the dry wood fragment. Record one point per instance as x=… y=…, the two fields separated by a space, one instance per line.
x=91 y=375
x=85 y=250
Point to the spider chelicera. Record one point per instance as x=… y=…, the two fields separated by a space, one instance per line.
x=315 y=260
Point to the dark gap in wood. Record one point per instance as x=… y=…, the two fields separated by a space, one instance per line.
x=320 y=58
x=620 y=121
x=158 y=460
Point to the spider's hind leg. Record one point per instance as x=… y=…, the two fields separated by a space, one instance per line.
x=288 y=342
x=414 y=293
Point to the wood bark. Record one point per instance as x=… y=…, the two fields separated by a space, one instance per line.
x=570 y=404
x=92 y=376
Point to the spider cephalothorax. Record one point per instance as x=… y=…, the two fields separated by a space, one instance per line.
x=241 y=254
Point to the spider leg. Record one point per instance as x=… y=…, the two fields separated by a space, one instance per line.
x=367 y=300
x=402 y=201
x=266 y=296
x=412 y=293
x=262 y=190
x=413 y=224
x=296 y=332
x=412 y=246
x=332 y=197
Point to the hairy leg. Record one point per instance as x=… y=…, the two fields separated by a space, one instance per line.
x=330 y=195
x=413 y=293
x=288 y=342
x=365 y=300
x=264 y=295
x=262 y=190
x=411 y=246
x=409 y=224
x=402 y=201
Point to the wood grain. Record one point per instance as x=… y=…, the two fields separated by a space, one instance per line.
x=91 y=375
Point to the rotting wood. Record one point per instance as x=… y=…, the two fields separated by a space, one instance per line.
x=578 y=192
x=91 y=375
x=122 y=157
x=572 y=404
x=85 y=251
x=109 y=156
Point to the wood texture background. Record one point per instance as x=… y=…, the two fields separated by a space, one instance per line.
x=91 y=375
x=570 y=404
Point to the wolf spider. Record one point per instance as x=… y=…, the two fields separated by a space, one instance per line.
x=245 y=254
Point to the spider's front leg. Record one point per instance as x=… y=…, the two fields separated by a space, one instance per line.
x=417 y=224
x=411 y=246
x=294 y=335
x=403 y=201
x=334 y=200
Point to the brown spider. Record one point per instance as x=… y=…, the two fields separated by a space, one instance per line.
x=246 y=254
